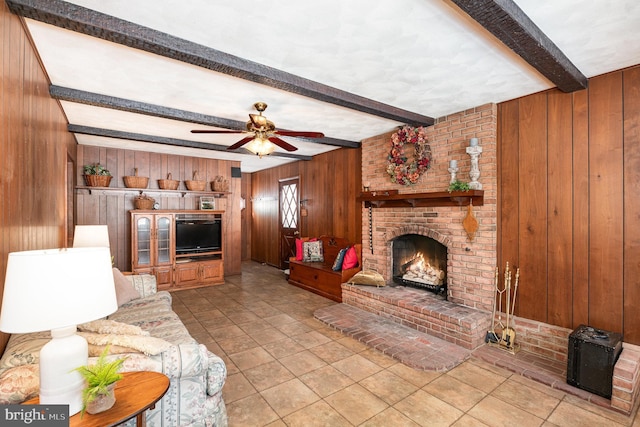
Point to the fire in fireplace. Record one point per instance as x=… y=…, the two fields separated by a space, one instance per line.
x=420 y=262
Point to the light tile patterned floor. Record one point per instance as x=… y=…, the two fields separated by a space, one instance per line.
x=288 y=369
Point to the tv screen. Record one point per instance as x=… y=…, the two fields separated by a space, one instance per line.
x=198 y=236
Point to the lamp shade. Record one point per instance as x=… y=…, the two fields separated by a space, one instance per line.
x=56 y=288
x=261 y=146
x=87 y=236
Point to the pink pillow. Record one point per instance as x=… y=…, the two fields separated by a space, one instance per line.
x=125 y=291
x=350 y=259
x=299 y=250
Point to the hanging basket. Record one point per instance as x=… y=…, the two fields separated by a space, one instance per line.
x=168 y=184
x=97 y=180
x=143 y=202
x=136 y=181
x=195 y=185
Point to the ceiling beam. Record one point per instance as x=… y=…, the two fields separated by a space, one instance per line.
x=99 y=100
x=109 y=133
x=96 y=24
x=505 y=20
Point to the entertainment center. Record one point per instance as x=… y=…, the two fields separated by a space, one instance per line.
x=183 y=249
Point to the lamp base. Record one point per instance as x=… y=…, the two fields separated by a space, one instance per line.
x=60 y=383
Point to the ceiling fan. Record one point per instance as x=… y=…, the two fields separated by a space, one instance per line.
x=263 y=134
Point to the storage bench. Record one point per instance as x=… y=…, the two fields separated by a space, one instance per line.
x=319 y=277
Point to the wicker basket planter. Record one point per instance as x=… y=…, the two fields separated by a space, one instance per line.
x=136 y=181
x=143 y=202
x=195 y=185
x=168 y=184
x=97 y=180
x=220 y=184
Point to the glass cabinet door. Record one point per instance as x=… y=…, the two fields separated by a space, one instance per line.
x=143 y=238
x=163 y=230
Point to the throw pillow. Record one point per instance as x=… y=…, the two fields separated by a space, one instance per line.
x=312 y=251
x=96 y=350
x=299 y=249
x=103 y=326
x=337 y=264
x=125 y=291
x=350 y=259
x=148 y=345
x=19 y=384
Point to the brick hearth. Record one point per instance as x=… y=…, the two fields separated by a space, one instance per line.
x=423 y=312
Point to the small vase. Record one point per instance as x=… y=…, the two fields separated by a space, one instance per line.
x=102 y=402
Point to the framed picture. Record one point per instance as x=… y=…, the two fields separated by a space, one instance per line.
x=207 y=203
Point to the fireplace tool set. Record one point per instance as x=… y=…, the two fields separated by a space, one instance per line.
x=503 y=335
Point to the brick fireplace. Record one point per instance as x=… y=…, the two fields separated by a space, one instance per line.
x=470 y=265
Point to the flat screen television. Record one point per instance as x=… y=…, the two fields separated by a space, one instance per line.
x=196 y=236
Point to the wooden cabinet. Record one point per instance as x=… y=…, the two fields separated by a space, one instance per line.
x=199 y=271
x=153 y=242
x=153 y=246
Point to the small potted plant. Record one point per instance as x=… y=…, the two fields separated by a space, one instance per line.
x=458 y=186
x=96 y=175
x=98 y=396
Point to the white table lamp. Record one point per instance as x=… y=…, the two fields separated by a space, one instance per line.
x=87 y=236
x=56 y=289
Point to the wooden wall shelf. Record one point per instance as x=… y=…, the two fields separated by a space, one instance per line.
x=182 y=193
x=391 y=199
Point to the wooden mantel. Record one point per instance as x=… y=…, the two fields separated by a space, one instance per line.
x=392 y=199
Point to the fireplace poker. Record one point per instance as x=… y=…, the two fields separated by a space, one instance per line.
x=508 y=333
x=491 y=335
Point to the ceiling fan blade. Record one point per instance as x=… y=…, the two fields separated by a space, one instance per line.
x=240 y=143
x=216 y=131
x=304 y=134
x=282 y=144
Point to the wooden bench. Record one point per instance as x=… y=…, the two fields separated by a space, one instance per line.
x=318 y=277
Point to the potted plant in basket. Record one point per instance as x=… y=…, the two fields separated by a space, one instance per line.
x=96 y=175
x=99 y=396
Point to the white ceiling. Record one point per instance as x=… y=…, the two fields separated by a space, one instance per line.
x=424 y=56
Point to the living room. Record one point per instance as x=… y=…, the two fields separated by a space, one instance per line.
x=558 y=172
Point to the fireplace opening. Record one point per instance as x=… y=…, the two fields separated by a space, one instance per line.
x=420 y=262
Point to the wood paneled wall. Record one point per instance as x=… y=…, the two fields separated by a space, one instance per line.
x=245 y=216
x=34 y=150
x=330 y=184
x=569 y=177
x=112 y=207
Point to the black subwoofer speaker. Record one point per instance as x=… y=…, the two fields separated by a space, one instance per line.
x=592 y=356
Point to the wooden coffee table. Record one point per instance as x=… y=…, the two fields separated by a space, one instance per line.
x=135 y=393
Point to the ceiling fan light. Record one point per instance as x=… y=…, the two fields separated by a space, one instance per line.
x=261 y=146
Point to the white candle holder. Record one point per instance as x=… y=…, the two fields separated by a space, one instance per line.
x=474 y=152
x=453 y=172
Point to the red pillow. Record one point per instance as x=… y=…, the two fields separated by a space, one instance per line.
x=350 y=259
x=298 y=249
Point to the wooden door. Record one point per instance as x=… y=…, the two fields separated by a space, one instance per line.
x=289 y=214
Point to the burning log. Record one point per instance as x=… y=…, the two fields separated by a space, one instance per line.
x=419 y=270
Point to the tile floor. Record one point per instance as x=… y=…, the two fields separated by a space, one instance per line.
x=286 y=368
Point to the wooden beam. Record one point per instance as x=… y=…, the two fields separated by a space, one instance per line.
x=86 y=21
x=105 y=101
x=109 y=133
x=505 y=20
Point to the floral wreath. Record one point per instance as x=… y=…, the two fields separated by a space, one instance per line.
x=401 y=171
